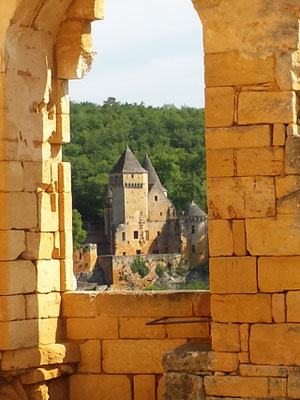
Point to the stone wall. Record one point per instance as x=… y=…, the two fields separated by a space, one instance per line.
x=120 y=355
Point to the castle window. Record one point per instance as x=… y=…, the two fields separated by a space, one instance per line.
x=138 y=252
x=147 y=235
x=124 y=253
x=132 y=176
x=123 y=236
x=161 y=214
x=156 y=198
x=193 y=228
x=193 y=249
x=135 y=235
x=158 y=233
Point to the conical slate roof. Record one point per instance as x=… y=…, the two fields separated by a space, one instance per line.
x=152 y=175
x=127 y=164
x=193 y=211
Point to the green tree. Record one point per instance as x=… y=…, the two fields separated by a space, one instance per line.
x=79 y=234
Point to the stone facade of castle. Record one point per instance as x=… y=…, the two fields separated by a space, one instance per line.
x=140 y=219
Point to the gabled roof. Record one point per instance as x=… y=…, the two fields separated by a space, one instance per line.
x=152 y=175
x=127 y=164
x=193 y=211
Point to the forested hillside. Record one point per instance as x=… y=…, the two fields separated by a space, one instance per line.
x=173 y=138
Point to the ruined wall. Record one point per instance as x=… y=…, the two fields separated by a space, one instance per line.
x=120 y=355
x=252 y=141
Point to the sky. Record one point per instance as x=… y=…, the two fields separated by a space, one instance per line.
x=147 y=51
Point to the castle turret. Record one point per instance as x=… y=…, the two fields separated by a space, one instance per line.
x=153 y=178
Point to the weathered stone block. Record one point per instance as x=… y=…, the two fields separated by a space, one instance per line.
x=89 y=9
x=233 y=275
x=64 y=177
x=18 y=334
x=243 y=357
x=86 y=386
x=237 y=137
x=188 y=331
x=294 y=383
x=219 y=163
x=286 y=185
x=90 y=351
x=246 y=197
x=178 y=386
x=92 y=328
x=144 y=387
x=267 y=107
x=244 y=336
x=39 y=246
x=39 y=375
x=264 y=236
x=277 y=387
x=85 y=304
x=48 y=212
x=277 y=274
x=265 y=348
x=19 y=210
x=136 y=328
x=220 y=238
x=292 y=305
x=289 y=204
x=11 y=177
x=17 y=277
x=239 y=237
x=136 y=357
x=12 y=244
x=219 y=106
x=278 y=308
x=263 y=370
x=260 y=161
x=279 y=134
x=12 y=308
x=49 y=330
x=236 y=386
x=250 y=308
x=233 y=69
x=225 y=337
x=43 y=305
x=201 y=304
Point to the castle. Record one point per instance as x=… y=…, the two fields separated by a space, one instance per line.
x=140 y=219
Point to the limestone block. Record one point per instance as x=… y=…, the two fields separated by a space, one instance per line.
x=59 y=388
x=159 y=389
x=220 y=238
x=63 y=98
x=292 y=130
x=38 y=392
x=178 y=386
x=279 y=134
x=11 y=177
x=48 y=212
x=12 y=244
x=294 y=383
x=292 y=157
x=39 y=375
x=88 y=9
x=92 y=328
x=17 y=277
x=260 y=161
x=225 y=337
x=50 y=330
x=65 y=212
x=233 y=275
x=267 y=107
x=278 y=274
x=233 y=68
x=263 y=370
x=237 y=137
x=245 y=197
x=85 y=304
x=239 y=237
x=38 y=356
x=112 y=387
x=12 y=308
x=18 y=334
x=39 y=246
x=66 y=275
x=236 y=386
x=292 y=304
x=64 y=177
x=265 y=348
x=264 y=236
x=201 y=304
x=66 y=244
x=188 y=331
x=62 y=132
x=90 y=361
x=43 y=305
x=48 y=276
x=136 y=357
x=174 y=304
x=219 y=106
x=37 y=175
x=144 y=387
x=21 y=210
x=277 y=387
x=278 y=308
x=244 y=336
x=219 y=162
x=241 y=308
x=243 y=357
x=288 y=70
x=74 y=54
x=136 y=328
x=286 y=185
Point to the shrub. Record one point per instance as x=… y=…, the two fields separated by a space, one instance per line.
x=139 y=266
x=159 y=270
